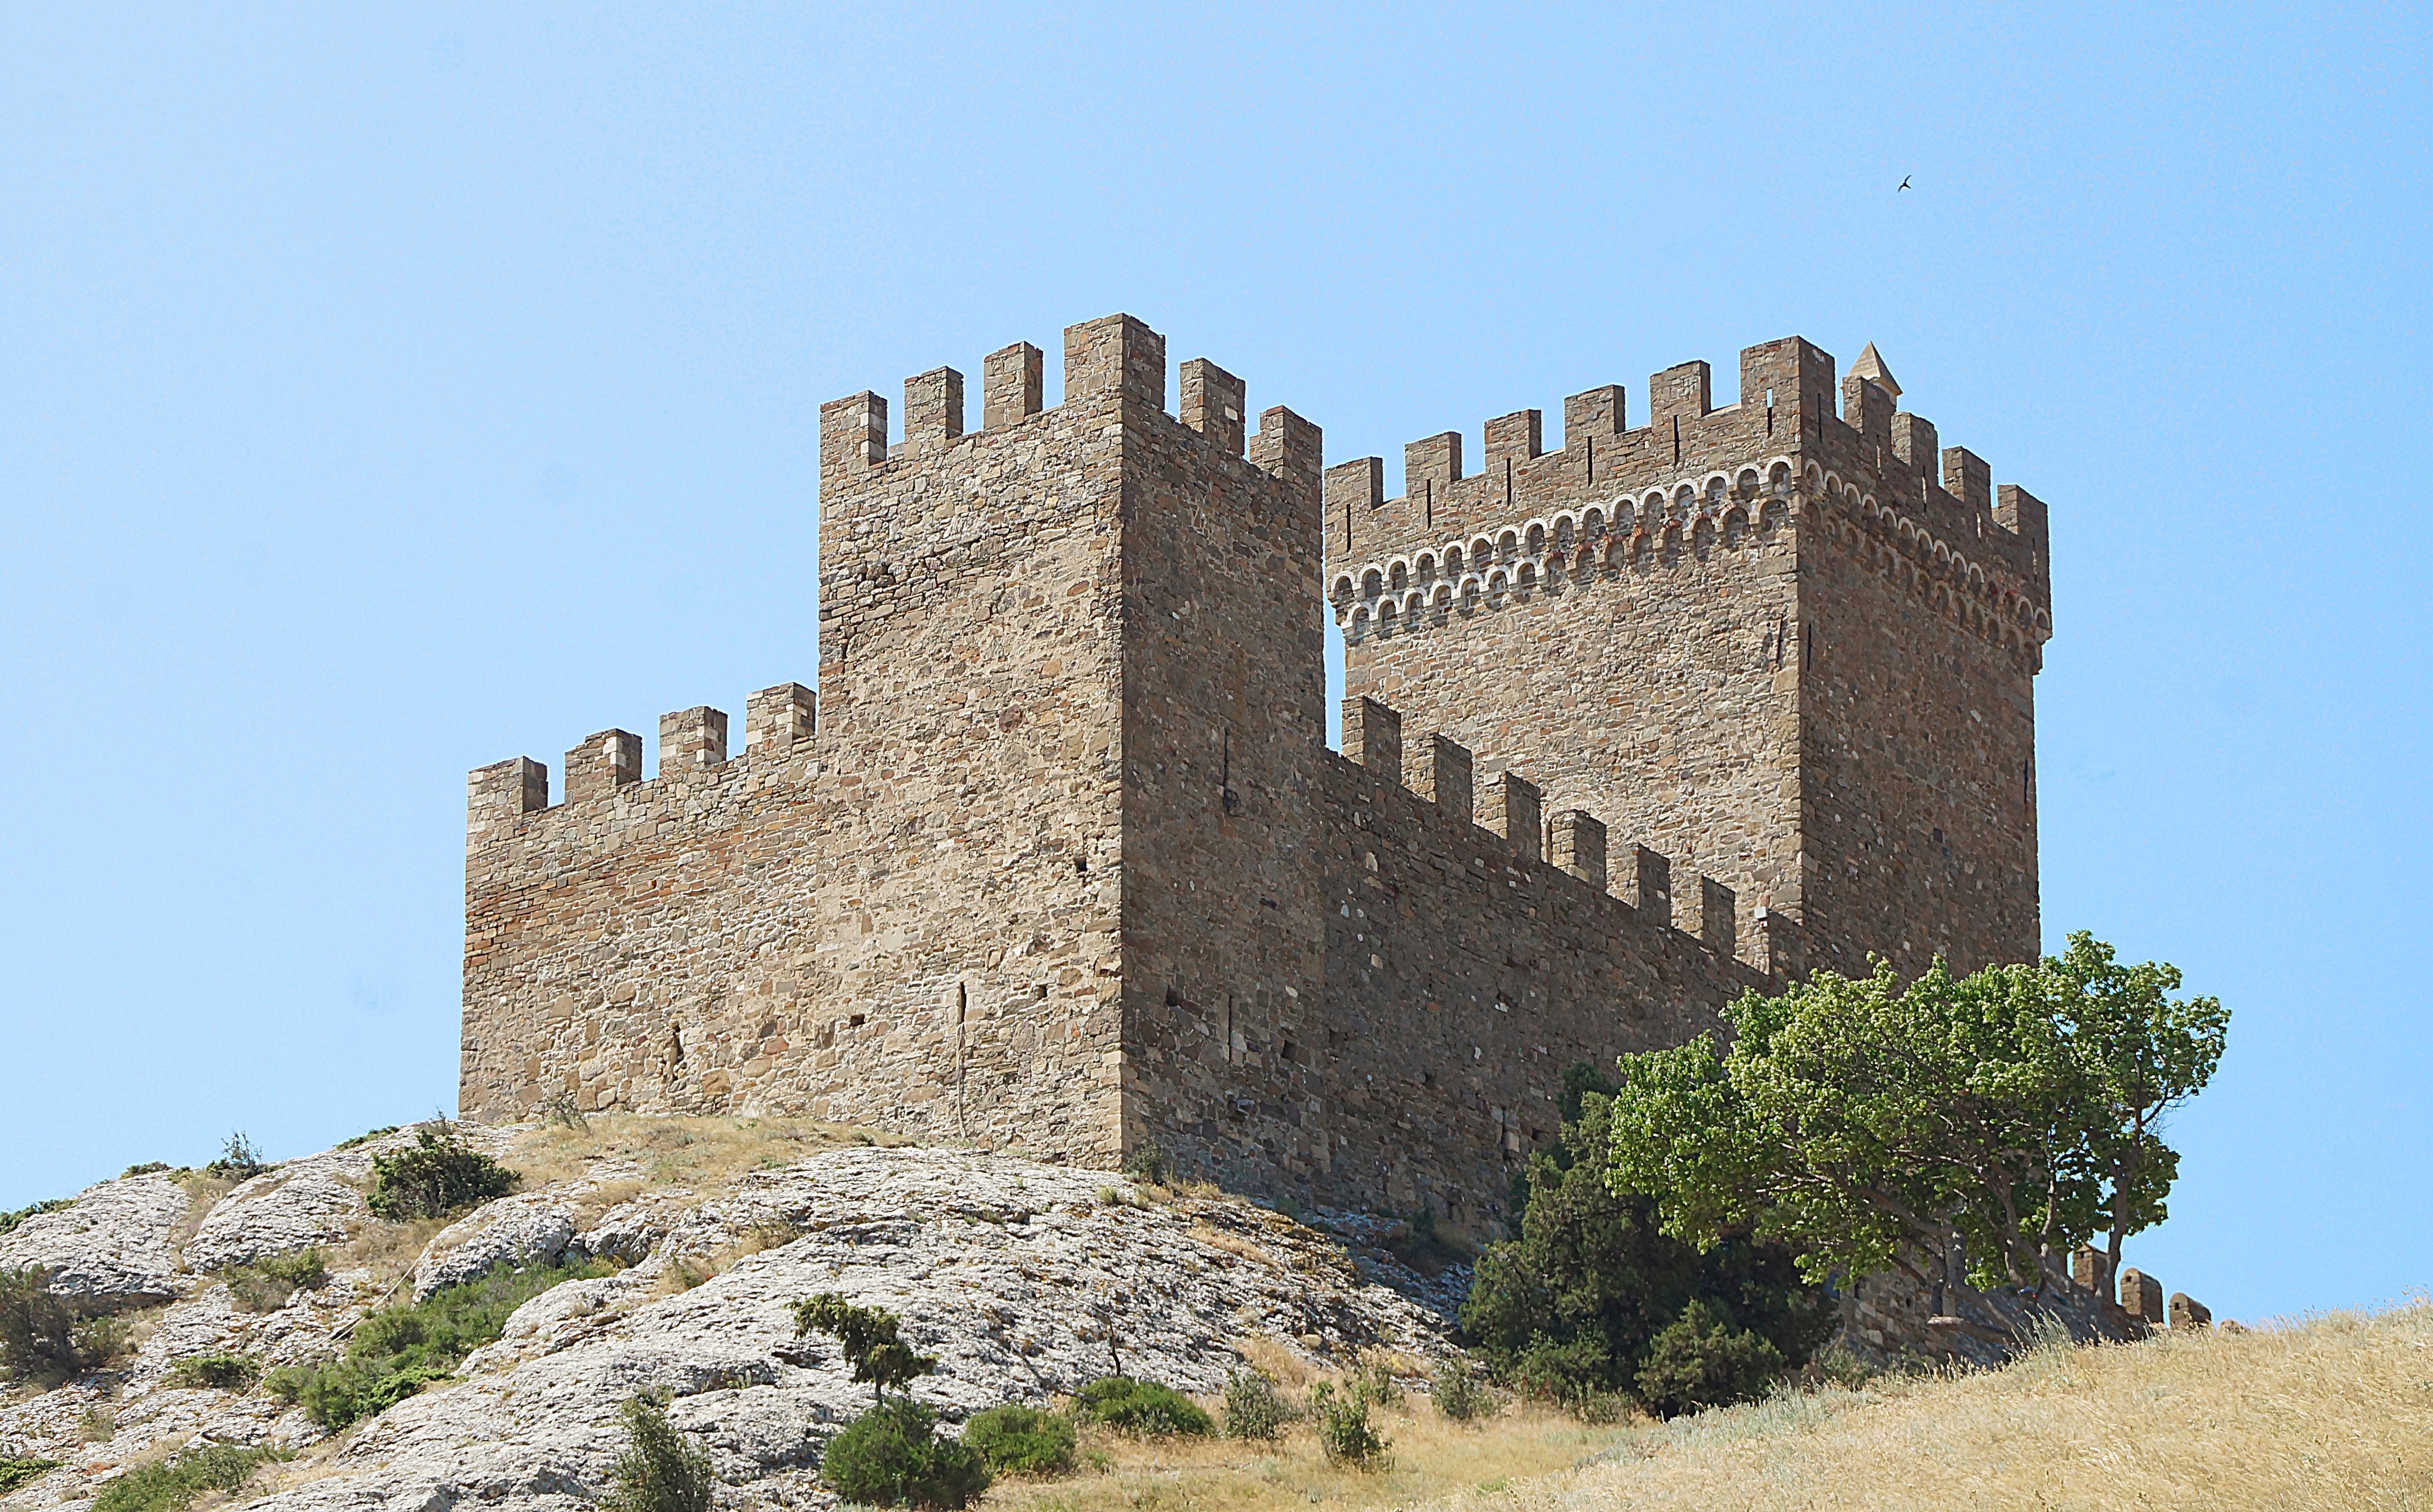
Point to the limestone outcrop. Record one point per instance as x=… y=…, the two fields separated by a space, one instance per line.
x=1024 y=1280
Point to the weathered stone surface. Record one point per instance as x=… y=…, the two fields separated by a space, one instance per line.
x=530 y=1229
x=302 y=1205
x=1018 y=1276
x=115 y=1245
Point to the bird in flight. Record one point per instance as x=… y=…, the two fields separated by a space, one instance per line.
x=1904 y=183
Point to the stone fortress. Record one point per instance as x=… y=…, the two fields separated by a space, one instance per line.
x=1055 y=857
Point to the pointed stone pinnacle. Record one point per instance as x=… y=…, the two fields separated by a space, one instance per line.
x=1871 y=368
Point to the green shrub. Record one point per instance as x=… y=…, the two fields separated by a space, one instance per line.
x=239 y=1160
x=1458 y=1394
x=441 y=1175
x=219 y=1372
x=1021 y=1440
x=1143 y=1408
x=867 y=1336
x=367 y=1136
x=17 y=1472
x=660 y=1469
x=893 y=1457
x=1149 y=1163
x=1252 y=1409
x=1569 y=1310
x=1343 y=1430
x=1701 y=1360
x=172 y=1484
x=46 y=1338
x=264 y=1285
x=148 y=1168
x=398 y=1351
x=1376 y=1384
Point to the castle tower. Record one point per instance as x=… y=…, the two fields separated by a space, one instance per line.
x=1764 y=638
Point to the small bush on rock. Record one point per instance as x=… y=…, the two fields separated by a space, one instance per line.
x=1343 y=1429
x=265 y=1284
x=1252 y=1409
x=867 y=1336
x=1143 y=1409
x=440 y=1176
x=218 y=1372
x=44 y=1336
x=1700 y=1360
x=17 y=1472
x=893 y=1457
x=1021 y=1440
x=148 y=1168
x=398 y=1351
x=9 y=1220
x=660 y=1469
x=239 y=1160
x=172 y=1484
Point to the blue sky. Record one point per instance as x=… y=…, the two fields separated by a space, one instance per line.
x=386 y=394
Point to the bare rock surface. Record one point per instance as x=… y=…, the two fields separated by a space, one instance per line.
x=116 y=1244
x=1023 y=1279
x=302 y=1205
x=531 y=1229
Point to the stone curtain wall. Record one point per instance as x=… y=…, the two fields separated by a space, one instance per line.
x=907 y=919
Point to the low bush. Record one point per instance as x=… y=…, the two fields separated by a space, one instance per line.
x=1149 y=1163
x=893 y=1457
x=17 y=1472
x=172 y=1484
x=1458 y=1394
x=1143 y=1409
x=218 y=1372
x=398 y=1351
x=439 y=1176
x=46 y=1338
x=239 y=1160
x=1417 y=1244
x=1343 y=1429
x=367 y=1136
x=1701 y=1360
x=1375 y=1383
x=265 y=1285
x=1021 y=1440
x=1252 y=1409
x=148 y=1168
x=660 y=1468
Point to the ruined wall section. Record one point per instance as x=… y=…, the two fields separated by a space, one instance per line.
x=1927 y=607
x=1611 y=617
x=766 y=932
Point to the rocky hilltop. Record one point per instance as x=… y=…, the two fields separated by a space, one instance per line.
x=1024 y=1280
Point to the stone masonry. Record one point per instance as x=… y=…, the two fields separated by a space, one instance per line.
x=1055 y=859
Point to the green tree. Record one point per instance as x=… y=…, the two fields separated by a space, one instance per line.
x=1984 y=1122
x=660 y=1469
x=867 y=1336
x=1571 y=1308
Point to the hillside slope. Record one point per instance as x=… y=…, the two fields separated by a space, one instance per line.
x=2333 y=1413
x=1026 y=1281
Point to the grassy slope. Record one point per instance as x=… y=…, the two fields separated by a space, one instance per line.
x=2336 y=1412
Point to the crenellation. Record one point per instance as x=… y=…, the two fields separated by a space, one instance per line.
x=691 y=740
x=778 y=718
x=602 y=764
x=1213 y=401
x=1014 y=384
x=934 y=409
x=1054 y=854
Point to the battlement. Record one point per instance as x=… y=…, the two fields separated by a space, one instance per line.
x=1114 y=360
x=1685 y=468
x=780 y=723
x=1571 y=842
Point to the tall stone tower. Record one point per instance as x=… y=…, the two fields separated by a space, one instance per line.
x=1762 y=638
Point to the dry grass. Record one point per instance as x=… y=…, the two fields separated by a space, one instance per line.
x=1429 y=1458
x=704 y=1156
x=2336 y=1412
